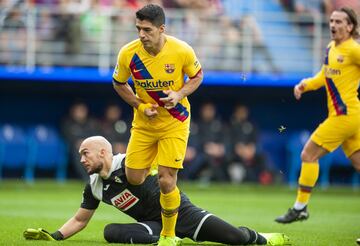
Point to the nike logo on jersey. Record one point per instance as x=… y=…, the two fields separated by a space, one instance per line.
x=177 y=160
x=107 y=187
x=137 y=70
x=124 y=200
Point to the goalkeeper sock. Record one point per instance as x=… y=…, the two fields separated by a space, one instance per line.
x=57 y=235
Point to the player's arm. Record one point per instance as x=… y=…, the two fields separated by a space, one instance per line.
x=310 y=84
x=78 y=222
x=71 y=227
x=189 y=87
x=82 y=217
x=193 y=69
x=191 y=84
x=355 y=54
x=125 y=91
x=120 y=77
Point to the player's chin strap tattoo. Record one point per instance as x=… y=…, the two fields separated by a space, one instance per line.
x=169 y=212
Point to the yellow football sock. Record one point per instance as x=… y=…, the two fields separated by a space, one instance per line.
x=307 y=180
x=170 y=203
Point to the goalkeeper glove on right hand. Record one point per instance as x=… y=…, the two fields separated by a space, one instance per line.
x=37 y=234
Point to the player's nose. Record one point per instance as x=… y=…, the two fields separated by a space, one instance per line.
x=141 y=34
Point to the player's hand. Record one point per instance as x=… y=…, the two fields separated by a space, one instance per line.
x=37 y=234
x=151 y=112
x=149 y=109
x=173 y=97
x=299 y=90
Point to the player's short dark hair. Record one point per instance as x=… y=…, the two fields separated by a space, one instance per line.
x=351 y=19
x=153 y=13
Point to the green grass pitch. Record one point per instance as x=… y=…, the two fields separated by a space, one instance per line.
x=334 y=213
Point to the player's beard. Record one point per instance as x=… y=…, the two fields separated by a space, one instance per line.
x=96 y=169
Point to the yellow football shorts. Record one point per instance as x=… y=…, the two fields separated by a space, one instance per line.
x=149 y=148
x=339 y=130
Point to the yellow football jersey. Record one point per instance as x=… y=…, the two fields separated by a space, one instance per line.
x=153 y=74
x=340 y=74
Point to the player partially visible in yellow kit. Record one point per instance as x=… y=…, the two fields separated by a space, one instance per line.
x=157 y=64
x=340 y=74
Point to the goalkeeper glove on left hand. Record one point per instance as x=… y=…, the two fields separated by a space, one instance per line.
x=37 y=234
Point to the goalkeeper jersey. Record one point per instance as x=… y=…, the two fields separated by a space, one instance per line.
x=141 y=202
x=340 y=74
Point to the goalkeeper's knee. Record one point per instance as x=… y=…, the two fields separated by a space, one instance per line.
x=128 y=233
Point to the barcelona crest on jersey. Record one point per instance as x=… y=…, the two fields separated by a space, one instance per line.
x=169 y=68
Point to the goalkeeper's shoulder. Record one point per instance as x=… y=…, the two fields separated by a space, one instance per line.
x=42 y=234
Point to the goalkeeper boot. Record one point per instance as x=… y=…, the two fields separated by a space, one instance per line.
x=293 y=215
x=37 y=234
x=169 y=241
x=276 y=239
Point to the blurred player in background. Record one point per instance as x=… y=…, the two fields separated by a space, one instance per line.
x=157 y=64
x=340 y=75
x=108 y=183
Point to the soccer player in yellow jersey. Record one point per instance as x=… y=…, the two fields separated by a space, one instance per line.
x=340 y=74
x=157 y=64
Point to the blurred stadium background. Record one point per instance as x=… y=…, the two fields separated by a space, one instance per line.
x=57 y=59
x=56 y=62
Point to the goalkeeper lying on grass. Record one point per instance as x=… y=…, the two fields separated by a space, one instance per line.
x=108 y=183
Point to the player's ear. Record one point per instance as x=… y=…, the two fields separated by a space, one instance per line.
x=162 y=28
x=102 y=152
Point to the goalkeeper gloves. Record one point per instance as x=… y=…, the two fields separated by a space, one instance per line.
x=41 y=234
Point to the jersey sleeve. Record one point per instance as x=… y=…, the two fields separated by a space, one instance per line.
x=355 y=55
x=122 y=70
x=89 y=201
x=192 y=65
x=315 y=82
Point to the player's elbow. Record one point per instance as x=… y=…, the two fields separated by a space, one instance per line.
x=117 y=84
x=200 y=76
